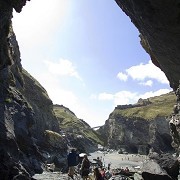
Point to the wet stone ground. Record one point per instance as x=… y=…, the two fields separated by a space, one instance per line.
x=51 y=176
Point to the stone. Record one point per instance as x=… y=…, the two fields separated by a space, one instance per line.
x=152 y=170
x=167 y=162
x=138 y=176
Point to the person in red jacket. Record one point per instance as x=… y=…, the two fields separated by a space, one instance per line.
x=97 y=174
x=103 y=172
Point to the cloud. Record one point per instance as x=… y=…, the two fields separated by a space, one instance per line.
x=155 y=93
x=147 y=83
x=147 y=71
x=122 y=76
x=105 y=96
x=93 y=96
x=127 y=97
x=144 y=72
x=63 y=68
x=121 y=97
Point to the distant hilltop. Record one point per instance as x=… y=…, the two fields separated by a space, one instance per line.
x=63 y=107
x=140 y=127
x=141 y=102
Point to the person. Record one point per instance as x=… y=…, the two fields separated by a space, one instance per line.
x=72 y=160
x=109 y=165
x=85 y=167
x=103 y=174
x=126 y=169
x=97 y=174
x=99 y=162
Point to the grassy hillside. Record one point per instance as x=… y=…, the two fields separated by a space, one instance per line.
x=159 y=106
x=70 y=123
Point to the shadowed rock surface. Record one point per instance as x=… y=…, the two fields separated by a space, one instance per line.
x=152 y=170
x=25 y=108
x=167 y=162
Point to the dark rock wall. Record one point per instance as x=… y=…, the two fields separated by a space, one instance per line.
x=25 y=108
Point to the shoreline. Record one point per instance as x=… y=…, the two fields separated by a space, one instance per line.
x=119 y=160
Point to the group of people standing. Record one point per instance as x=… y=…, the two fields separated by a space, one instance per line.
x=84 y=164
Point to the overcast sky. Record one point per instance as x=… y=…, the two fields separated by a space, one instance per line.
x=87 y=55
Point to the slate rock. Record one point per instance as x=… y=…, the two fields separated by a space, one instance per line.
x=152 y=171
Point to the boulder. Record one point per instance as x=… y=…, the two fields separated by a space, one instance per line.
x=168 y=162
x=138 y=176
x=152 y=171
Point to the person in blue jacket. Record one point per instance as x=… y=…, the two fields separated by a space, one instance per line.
x=72 y=160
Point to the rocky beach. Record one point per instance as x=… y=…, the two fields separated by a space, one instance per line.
x=132 y=161
x=119 y=160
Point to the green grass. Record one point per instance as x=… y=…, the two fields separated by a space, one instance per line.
x=94 y=136
x=8 y=100
x=161 y=106
x=53 y=136
x=68 y=119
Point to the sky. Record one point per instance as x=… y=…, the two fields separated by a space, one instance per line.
x=87 y=55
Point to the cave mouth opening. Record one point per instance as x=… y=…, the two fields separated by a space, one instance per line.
x=167 y=140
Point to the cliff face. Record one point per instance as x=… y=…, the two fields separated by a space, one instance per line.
x=36 y=96
x=25 y=108
x=137 y=135
x=140 y=127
